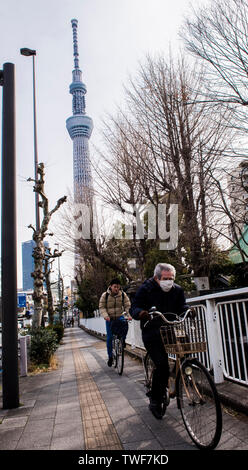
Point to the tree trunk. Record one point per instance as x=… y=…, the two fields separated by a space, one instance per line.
x=39 y=250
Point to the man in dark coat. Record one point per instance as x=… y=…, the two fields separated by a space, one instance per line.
x=161 y=292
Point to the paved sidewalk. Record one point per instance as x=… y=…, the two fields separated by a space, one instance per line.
x=84 y=405
x=232 y=395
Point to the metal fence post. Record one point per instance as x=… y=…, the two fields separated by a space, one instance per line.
x=214 y=341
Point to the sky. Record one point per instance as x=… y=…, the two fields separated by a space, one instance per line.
x=114 y=36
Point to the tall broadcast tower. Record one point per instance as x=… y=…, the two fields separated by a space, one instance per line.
x=80 y=128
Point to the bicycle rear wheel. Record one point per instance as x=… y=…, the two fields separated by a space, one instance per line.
x=199 y=404
x=119 y=355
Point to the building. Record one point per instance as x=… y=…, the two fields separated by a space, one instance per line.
x=80 y=126
x=28 y=264
x=234 y=253
x=238 y=193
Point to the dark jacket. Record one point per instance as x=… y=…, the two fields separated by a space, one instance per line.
x=150 y=295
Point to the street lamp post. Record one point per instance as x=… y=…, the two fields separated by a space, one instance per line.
x=30 y=52
x=8 y=241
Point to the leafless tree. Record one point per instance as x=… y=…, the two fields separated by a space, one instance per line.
x=166 y=143
x=39 y=249
x=82 y=235
x=218 y=35
x=230 y=208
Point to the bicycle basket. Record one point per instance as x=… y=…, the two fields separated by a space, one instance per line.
x=184 y=338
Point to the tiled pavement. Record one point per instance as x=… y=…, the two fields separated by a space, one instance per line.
x=84 y=405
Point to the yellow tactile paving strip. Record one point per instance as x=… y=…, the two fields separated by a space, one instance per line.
x=99 y=431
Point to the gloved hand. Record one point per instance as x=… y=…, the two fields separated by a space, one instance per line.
x=144 y=315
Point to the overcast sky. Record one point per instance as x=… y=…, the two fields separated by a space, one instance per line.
x=114 y=36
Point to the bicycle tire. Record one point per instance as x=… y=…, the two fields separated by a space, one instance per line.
x=149 y=368
x=114 y=351
x=201 y=408
x=119 y=355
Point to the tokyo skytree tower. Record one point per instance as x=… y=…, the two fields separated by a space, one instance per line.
x=80 y=128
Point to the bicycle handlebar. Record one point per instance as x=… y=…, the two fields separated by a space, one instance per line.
x=174 y=322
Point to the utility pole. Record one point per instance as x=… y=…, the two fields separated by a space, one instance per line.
x=9 y=265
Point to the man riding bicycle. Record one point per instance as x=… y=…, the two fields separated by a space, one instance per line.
x=113 y=303
x=159 y=291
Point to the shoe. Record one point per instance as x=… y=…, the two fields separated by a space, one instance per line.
x=110 y=362
x=156 y=409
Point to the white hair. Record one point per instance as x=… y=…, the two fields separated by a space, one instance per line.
x=163 y=267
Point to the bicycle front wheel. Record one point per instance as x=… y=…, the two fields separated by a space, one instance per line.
x=114 y=351
x=149 y=369
x=119 y=355
x=199 y=404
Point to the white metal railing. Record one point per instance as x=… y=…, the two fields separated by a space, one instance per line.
x=227 y=333
x=233 y=318
x=226 y=323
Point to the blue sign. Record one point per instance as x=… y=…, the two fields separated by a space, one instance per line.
x=21 y=300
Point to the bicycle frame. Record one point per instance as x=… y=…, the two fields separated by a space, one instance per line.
x=193 y=386
x=179 y=356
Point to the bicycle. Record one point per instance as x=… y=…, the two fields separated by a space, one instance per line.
x=192 y=385
x=118 y=349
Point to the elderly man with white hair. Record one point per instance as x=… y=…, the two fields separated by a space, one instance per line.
x=161 y=292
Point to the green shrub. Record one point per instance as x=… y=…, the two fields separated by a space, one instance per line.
x=43 y=345
x=59 y=330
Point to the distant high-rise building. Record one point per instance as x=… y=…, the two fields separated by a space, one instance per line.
x=80 y=128
x=28 y=264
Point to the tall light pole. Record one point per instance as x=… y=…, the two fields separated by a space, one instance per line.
x=8 y=241
x=30 y=52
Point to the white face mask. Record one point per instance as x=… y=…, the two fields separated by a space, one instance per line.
x=166 y=285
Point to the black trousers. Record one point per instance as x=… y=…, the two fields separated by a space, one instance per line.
x=155 y=348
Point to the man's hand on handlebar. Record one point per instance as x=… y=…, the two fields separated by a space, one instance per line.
x=144 y=315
